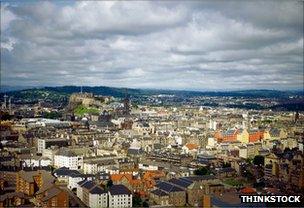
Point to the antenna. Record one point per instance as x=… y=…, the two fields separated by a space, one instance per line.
x=5 y=97
x=10 y=105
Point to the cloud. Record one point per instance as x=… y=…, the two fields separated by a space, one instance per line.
x=176 y=45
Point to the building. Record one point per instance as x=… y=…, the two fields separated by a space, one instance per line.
x=40 y=186
x=286 y=167
x=177 y=195
x=98 y=197
x=67 y=158
x=29 y=182
x=37 y=161
x=227 y=136
x=120 y=196
x=159 y=197
x=46 y=143
x=255 y=135
x=53 y=197
x=243 y=136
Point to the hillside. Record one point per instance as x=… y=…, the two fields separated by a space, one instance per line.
x=60 y=94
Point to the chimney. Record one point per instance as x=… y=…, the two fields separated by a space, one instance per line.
x=206 y=201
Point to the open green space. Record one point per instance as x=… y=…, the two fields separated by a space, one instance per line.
x=233 y=182
x=81 y=110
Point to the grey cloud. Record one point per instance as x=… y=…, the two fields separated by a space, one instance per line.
x=176 y=45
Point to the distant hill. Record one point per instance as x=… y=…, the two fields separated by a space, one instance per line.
x=7 y=88
x=63 y=92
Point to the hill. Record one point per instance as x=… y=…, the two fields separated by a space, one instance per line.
x=62 y=93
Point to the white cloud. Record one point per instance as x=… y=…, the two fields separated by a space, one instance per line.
x=198 y=45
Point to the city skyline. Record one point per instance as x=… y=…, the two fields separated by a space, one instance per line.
x=164 y=45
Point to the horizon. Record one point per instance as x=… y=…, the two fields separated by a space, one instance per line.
x=171 y=45
x=18 y=88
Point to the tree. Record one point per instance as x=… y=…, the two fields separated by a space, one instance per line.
x=145 y=204
x=249 y=160
x=137 y=202
x=226 y=165
x=258 y=160
x=109 y=184
x=53 y=115
x=202 y=171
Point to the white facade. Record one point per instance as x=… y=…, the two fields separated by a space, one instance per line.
x=120 y=201
x=90 y=168
x=147 y=167
x=71 y=162
x=49 y=153
x=98 y=200
x=37 y=162
x=212 y=124
x=40 y=145
x=243 y=153
x=72 y=182
x=79 y=192
x=211 y=142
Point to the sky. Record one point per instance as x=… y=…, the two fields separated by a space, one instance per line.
x=190 y=45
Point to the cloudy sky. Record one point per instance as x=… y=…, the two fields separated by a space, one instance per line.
x=209 y=45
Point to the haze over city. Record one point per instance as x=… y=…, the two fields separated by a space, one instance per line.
x=171 y=45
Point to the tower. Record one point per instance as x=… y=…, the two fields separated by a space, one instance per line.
x=10 y=105
x=296 y=116
x=5 y=104
x=126 y=109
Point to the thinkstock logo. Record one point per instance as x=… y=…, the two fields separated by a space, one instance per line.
x=269 y=199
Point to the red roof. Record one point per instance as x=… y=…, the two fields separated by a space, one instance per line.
x=191 y=146
x=248 y=190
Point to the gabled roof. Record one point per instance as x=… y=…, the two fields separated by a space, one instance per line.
x=64 y=171
x=159 y=192
x=248 y=190
x=54 y=191
x=180 y=182
x=119 y=190
x=97 y=190
x=88 y=185
x=119 y=177
x=274 y=132
x=168 y=187
x=47 y=178
x=135 y=151
x=81 y=182
x=191 y=146
x=199 y=178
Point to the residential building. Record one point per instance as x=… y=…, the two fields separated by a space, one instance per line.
x=120 y=196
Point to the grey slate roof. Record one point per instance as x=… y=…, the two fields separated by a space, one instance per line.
x=168 y=187
x=97 y=190
x=180 y=182
x=199 y=178
x=159 y=192
x=88 y=185
x=63 y=171
x=81 y=182
x=119 y=190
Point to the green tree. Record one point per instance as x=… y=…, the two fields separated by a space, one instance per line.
x=109 y=184
x=202 y=171
x=258 y=160
x=53 y=115
x=137 y=202
x=145 y=204
x=226 y=165
x=249 y=160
